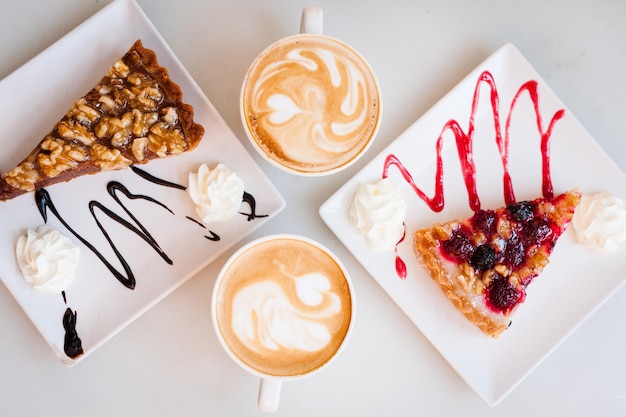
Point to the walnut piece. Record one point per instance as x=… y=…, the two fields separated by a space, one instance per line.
x=23 y=176
x=118 y=130
x=68 y=129
x=118 y=70
x=107 y=158
x=142 y=122
x=83 y=113
x=165 y=140
x=139 y=148
x=142 y=93
x=61 y=157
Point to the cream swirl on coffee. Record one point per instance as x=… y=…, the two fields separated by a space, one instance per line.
x=283 y=306
x=311 y=103
x=265 y=317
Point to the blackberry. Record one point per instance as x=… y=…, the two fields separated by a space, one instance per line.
x=485 y=221
x=484 y=257
x=522 y=211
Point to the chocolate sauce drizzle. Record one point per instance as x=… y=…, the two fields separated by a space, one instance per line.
x=214 y=236
x=44 y=202
x=72 y=342
x=249 y=199
x=72 y=345
x=149 y=177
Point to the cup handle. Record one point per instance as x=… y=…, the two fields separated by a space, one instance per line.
x=312 y=20
x=269 y=395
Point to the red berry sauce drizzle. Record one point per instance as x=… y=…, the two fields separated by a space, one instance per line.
x=464 y=144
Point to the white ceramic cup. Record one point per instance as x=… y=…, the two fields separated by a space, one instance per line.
x=310 y=104
x=282 y=308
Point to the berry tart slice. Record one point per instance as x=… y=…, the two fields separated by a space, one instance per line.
x=484 y=264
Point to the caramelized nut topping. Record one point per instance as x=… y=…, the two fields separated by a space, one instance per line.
x=107 y=158
x=118 y=70
x=70 y=130
x=139 y=148
x=170 y=115
x=166 y=141
x=142 y=122
x=23 y=176
x=82 y=112
x=106 y=102
x=61 y=157
x=118 y=130
x=142 y=93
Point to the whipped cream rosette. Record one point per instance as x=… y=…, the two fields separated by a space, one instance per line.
x=47 y=259
x=600 y=222
x=378 y=212
x=217 y=192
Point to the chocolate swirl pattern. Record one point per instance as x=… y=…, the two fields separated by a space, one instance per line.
x=311 y=103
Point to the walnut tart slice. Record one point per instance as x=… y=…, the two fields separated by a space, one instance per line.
x=485 y=263
x=134 y=115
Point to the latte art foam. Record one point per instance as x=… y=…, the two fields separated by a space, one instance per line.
x=283 y=307
x=311 y=103
x=264 y=317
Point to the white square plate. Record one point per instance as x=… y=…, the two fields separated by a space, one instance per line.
x=32 y=99
x=576 y=282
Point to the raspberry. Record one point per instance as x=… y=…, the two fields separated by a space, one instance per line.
x=485 y=221
x=459 y=247
x=536 y=232
x=514 y=253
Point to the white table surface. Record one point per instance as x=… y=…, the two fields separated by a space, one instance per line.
x=169 y=362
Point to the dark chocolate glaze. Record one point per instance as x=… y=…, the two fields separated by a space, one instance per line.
x=72 y=342
x=249 y=199
x=214 y=236
x=44 y=202
x=145 y=175
x=72 y=345
x=199 y=223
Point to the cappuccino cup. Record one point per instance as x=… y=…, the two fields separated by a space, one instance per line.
x=310 y=104
x=282 y=308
